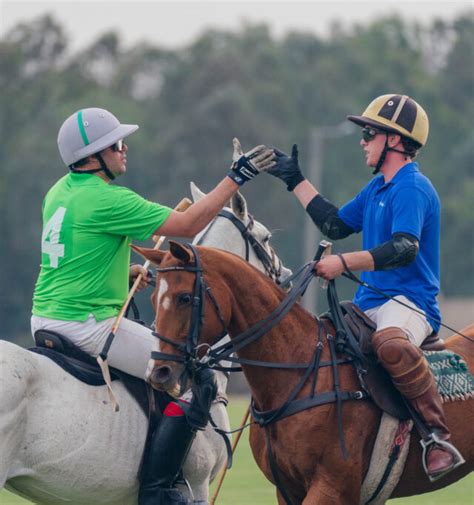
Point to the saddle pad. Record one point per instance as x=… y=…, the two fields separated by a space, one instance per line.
x=388 y=460
x=452 y=375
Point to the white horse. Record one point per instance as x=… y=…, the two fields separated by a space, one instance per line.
x=62 y=443
x=60 y=440
x=225 y=232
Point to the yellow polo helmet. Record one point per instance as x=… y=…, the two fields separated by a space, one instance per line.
x=398 y=114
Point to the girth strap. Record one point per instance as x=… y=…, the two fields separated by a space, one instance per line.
x=273 y=364
x=263 y=417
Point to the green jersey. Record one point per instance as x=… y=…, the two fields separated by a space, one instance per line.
x=85 y=246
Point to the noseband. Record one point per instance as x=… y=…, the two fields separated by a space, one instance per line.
x=190 y=349
x=271 y=262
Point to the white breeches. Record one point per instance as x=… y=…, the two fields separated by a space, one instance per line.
x=130 y=350
x=392 y=314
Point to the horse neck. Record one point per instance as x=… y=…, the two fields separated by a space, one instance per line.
x=252 y=298
x=226 y=236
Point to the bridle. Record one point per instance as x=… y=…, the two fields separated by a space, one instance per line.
x=270 y=261
x=190 y=349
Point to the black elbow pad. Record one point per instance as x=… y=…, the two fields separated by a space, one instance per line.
x=397 y=252
x=324 y=215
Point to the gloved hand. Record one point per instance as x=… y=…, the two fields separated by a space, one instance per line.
x=246 y=166
x=287 y=168
x=204 y=390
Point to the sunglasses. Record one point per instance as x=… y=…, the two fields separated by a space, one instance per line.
x=118 y=146
x=369 y=134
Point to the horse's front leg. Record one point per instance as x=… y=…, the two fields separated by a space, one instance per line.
x=335 y=489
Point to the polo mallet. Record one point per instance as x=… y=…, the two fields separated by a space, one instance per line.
x=234 y=445
x=184 y=204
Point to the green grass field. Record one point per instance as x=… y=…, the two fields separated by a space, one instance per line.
x=245 y=484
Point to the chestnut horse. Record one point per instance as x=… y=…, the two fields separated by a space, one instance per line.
x=305 y=446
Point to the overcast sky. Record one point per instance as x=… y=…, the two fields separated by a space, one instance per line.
x=177 y=23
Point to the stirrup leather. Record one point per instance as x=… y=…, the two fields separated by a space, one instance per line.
x=434 y=440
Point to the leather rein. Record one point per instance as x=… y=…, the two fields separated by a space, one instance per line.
x=189 y=351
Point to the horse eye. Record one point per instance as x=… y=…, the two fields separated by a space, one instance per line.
x=184 y=299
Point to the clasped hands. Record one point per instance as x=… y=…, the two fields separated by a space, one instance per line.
x=265 y=159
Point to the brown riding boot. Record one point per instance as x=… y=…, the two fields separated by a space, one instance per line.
x=442 y=457
x=412 y=376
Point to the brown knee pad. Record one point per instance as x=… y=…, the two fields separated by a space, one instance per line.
x=404 y=362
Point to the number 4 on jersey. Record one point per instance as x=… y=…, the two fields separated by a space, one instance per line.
x=50 y=239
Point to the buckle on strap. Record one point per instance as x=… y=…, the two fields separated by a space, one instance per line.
x=359 y=395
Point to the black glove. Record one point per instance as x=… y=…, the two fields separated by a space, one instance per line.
x=287 y=168
x=204 y=390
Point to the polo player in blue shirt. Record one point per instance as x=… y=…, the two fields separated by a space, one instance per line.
x=399 y=215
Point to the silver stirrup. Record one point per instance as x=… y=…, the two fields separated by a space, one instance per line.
x=433 y=439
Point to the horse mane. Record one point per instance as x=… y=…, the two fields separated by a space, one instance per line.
x=228 y=263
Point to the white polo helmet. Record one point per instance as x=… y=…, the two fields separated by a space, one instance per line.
x=89 y=131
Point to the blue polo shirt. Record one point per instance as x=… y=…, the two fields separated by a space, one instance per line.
x=410 y=204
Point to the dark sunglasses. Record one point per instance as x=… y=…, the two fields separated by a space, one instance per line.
x=118 y=146
x=369 y=133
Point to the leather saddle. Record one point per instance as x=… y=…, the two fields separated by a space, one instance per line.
x=374 y=379
x=85 y=368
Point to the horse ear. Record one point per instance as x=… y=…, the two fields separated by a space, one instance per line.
x=153 y=255
x=180 y=252
x=196 y=193
x=239 y=206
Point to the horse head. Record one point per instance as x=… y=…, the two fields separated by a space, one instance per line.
x=181 y=299
x=235 y=230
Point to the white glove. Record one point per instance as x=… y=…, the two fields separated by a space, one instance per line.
x=246 y=166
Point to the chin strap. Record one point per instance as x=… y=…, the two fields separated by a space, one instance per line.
x=103 y=167
x=383 y=155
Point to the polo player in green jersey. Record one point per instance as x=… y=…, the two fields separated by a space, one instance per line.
x=88 y=225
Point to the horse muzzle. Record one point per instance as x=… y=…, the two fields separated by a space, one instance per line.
x=162 y=378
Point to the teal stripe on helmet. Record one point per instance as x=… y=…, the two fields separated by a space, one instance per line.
x=81 y=128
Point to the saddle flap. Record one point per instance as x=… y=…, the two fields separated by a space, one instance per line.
x=360 y=324
x=69 y=357
x=383 y=392
x=374 y=379
x=55 y=341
